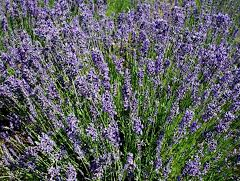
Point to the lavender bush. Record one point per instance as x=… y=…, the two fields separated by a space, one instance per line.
x=150 y=93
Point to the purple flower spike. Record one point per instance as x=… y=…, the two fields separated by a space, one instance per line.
x=108 y=104
x=92 y=132
x=192 y=168
x=137 y=125
x=46 y=144
x=71 y=174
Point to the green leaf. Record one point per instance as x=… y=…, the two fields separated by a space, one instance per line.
x=10 y=71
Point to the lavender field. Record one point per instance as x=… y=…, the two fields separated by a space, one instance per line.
x=119 y=90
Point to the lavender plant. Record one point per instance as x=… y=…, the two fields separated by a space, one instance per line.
x=152 y=93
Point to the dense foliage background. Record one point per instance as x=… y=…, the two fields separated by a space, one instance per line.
x=119 y=90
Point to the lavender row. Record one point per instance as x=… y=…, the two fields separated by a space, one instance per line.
x=152 y=93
